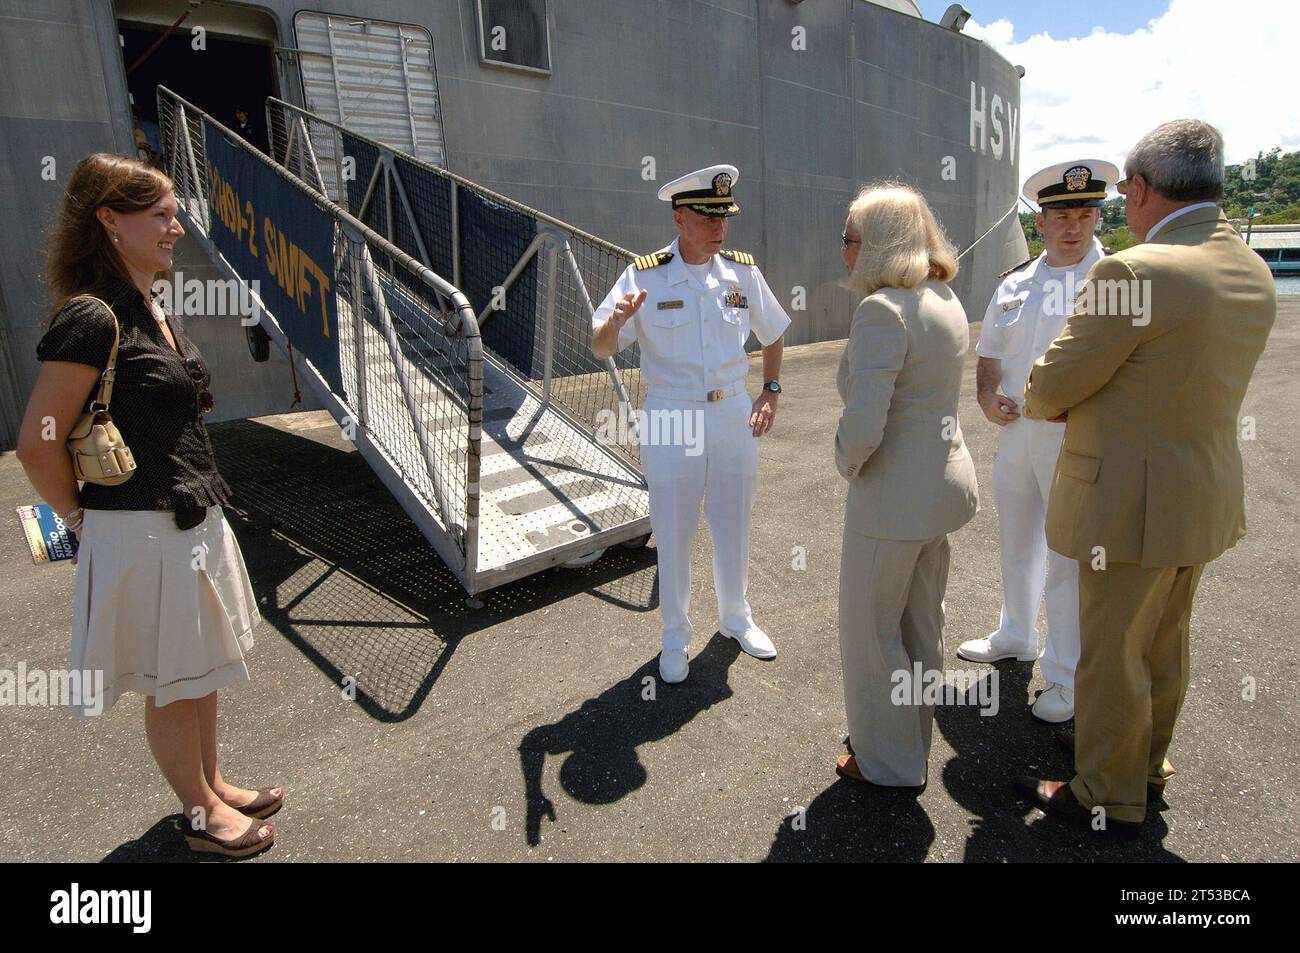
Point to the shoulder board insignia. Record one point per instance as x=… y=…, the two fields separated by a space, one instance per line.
x=1028 y=261
x=653 y=261
x=739 y=257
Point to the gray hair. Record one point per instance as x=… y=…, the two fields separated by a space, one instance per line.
x=1182 y=160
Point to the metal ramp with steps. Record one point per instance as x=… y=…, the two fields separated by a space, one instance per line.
x=490 y=450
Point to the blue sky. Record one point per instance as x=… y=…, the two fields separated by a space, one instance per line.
x=1063 y=19
x=1090 y=93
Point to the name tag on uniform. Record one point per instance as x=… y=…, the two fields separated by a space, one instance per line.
x=669 y=305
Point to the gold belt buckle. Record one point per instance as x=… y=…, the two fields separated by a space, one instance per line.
x=715 y=395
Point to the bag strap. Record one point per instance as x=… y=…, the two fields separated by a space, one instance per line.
x=105 y=395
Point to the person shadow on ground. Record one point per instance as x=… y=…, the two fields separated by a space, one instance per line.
x=852 y=822
x=991 y=750
x=601 y=737
x=164 y=842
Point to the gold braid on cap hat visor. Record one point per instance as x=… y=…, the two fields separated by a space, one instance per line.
x=1070 y=197
x=704 y=200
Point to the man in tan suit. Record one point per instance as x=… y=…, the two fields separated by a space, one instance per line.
x=1149 y=373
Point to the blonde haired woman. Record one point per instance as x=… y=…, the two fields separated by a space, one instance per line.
x=911 y=479
x=147 y=612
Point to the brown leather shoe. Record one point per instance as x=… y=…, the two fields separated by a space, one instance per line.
x=1155 y=792
x=1057 y=798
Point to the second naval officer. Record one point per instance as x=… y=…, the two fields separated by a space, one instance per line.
x=1028 y=311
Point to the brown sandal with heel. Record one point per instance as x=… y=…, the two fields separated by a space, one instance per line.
x=264 y=805
x=245 y=845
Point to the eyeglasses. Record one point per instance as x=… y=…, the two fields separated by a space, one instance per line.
x=1122 y=185
x=199 y=375
x=846 y=241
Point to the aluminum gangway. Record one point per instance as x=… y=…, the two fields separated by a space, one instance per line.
x=491 y=426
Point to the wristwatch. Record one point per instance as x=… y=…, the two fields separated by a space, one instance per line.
x=773 y=386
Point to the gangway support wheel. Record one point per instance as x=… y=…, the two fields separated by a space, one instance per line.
x=259 y=343
x=637 y=543
x=580 y=561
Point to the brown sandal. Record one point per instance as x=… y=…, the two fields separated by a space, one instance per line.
x=264 y=805
x=245 y=845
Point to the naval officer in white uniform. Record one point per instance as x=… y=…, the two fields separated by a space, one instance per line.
x=1026 y=314
x=691 y=307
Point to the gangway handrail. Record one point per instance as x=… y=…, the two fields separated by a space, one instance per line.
x=553 y=235
x=323 y=202
x=470 y=184
x=465 y=325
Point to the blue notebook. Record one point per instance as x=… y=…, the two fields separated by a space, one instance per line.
x=48 y=540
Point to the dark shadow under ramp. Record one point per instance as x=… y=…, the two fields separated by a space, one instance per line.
x=345 y=575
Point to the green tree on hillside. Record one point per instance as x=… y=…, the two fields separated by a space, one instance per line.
x=1270 y=184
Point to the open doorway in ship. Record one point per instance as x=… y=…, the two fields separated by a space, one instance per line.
x=219 y=56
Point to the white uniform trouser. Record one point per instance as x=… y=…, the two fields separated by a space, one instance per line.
x=1022 y=485
x=720 y=470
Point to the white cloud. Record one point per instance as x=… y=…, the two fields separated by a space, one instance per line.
x=1231 y=64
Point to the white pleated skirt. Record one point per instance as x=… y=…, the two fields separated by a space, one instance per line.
x=159 y=610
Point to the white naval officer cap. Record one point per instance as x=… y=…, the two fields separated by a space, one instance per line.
x=1082 y=183
x=707 y=191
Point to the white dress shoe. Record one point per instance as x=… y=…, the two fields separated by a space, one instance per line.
x=673 y=666
x=1054 y=705
x=753 y=640
x=982 y=650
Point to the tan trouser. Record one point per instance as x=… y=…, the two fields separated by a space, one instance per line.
x=891 y=617
x=1132 y=678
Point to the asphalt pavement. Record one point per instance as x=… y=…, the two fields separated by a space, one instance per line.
x=534 y=728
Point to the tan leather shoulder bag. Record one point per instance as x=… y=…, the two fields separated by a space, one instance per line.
x=99 y=454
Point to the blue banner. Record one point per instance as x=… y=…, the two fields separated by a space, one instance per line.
x=273 y=234
x=503 y=235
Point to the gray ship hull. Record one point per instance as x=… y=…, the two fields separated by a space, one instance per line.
x=808 y=100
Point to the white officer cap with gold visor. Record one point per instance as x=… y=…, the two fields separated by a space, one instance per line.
x=707 y=191
x=1083 y=183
